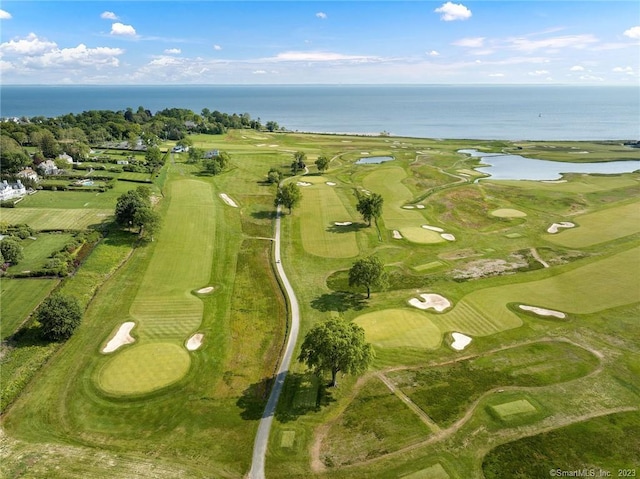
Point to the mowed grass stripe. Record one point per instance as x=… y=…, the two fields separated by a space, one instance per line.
x=56 y=218
x=320 y=208
x=387 y=181
x=601 y=226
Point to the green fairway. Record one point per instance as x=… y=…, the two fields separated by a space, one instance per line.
x=320 y=209
x=164 y=309
x=56 y=218
x=601 y=226
x=18 y=297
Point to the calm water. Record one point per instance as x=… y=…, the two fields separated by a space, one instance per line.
x=516 y=167
x=373 y=160
x=482 y=112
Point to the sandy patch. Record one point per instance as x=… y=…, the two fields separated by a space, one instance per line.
x=121 y=337
x=460 y=341
x=228 y=200
x=448 y=236
x=303 y=183
x=555 y=227
x=508 y=213
x=396 y=234
x=194 y=342
x=553 y=181
x=343 y=223
x=431 y=300
x=433 y=228
x=542 y=311
x=273 y=146
x=261 y=144
x=331 y=183
x=420 y=207
x=206 y=290
x=408 y=207
x=364 y=152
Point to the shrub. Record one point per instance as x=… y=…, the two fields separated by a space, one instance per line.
x=59 y=316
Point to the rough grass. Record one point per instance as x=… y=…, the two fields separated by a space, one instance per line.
x=601 y=226
x=433 y=472
x=19 y=297
x=320 y=208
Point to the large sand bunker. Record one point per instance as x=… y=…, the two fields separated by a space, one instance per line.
x=448 y=236
x=542 y=311
x=433 y=228
x=121 y=337
x=303 y=183
x=431 y=300
x=396 y=234
x=331 y=183
x=460 y=341
x=206 y=290
x=343 y=223
x=195 y=341
x=555 y=227
x=228 y=200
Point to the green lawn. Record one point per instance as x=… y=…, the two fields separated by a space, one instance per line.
x=58 y=219
x=18 y=298
x=36 y=252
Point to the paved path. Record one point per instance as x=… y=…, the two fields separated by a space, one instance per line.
x=262 y=436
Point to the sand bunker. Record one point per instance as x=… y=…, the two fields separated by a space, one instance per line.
x=303 y=183
x=448 y=236
x=543 y=312
x=195 y=341
x=420 y=207
x=408 y=207
x=435 y=301
x=228 y=200
x=553 y=229
x=343 y=223
x=121 y=337
x=396 y=234
x=508 y=213
x=206 y=290
x=331 y=183
x=460 y=341
x=433 y=228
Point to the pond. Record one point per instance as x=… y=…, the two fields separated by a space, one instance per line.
x=373 y=160
x=515 y=167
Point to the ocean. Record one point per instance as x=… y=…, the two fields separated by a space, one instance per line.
x=511 y=112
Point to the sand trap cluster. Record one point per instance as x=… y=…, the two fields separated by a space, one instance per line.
x=448 y=236
x=460 y=341
x=121 y=337
x=555 y=227
x=228 y=200
x=396 y=234
x=431 y=300
x=542 y=311
x=206 y=290
x=331 y=183
x=303 y=183
x=195 y=341
x=343 y=223
x=433 y=228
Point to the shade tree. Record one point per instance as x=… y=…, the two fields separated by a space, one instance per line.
x=368 y=272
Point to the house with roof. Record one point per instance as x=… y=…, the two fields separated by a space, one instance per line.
x=9 y=191
x=28 y=173
x=48 y=167
x=65 y=157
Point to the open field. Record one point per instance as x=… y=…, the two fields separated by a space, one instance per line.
x=19 y=297
x=37 y=251
x=423 y=409
x=58 y=219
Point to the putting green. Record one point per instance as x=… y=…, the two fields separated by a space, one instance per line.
x=417 y=234
x=399 y=328
x=508 y=213
x=513 y=408
x=144 y=368
x=433 y=472
x=601 y=226
x=320 y=209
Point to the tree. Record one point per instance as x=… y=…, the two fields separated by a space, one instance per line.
x=370 y=206
x=299 y=162
x=274 y=176
x=147 y=220
x=129 y=203
x=272 y=126
x=368 y=272
x=59 y=316
x=11 y=250
x=194 y=155
x=336 y=345
x=289 y=195
x=322 y=163
x=218 y=163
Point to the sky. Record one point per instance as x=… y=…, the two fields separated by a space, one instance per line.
x=332 y=42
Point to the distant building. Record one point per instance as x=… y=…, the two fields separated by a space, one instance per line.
x=48 y=167
x=9 y=191
x=122 y=162
x=28 y=173
x=65 y=157
x=212 y=154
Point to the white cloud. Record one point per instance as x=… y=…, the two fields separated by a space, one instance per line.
x=553 y=43
x=31 y=45
x=453 y=11
x=164 y=61
x=633 y=33
x=475 y=42
x=321 y=15
x=173 y=51
x=124 y=30
x=108 y=16
x=259 y=72
x=320 y=57
x=76 y=57
x=217 y=48
x=4 y=15
x=623 y=70
x=577 y=68
x=433 y=53
x=591 y=78
x=496 y=75
x=539 y=73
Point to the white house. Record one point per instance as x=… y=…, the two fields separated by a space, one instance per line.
x=66 y=157
x=28 y=173
x=9 y=191
x=48 y=167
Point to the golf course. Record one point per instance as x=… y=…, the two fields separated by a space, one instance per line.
x=508 y=324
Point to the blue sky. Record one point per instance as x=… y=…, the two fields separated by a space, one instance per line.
x=300 y=42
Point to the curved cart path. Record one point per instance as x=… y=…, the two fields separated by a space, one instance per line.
x=262 y=436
